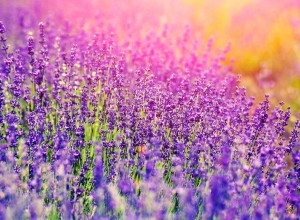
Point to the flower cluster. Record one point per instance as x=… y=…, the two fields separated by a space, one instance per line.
x=148 y=127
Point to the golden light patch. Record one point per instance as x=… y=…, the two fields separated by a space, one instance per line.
x=141 y=149
x=289 y=160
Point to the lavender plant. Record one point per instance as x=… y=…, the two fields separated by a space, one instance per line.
x=94 y=127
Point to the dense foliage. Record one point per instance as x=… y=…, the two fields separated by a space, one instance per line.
x=147 y=127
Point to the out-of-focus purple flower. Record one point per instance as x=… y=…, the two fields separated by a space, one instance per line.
x=2 y=28
x=126 y=186
x=219 y=194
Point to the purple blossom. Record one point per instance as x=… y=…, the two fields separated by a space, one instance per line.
x=93 y=126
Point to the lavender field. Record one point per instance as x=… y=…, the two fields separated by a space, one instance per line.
x=112 y=120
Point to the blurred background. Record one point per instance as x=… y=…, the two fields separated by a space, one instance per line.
x=264 y=34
